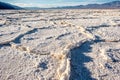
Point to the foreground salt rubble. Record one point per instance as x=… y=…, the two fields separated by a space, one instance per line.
x=60 y=45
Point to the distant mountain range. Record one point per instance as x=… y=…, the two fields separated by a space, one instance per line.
x=110 y=5
x=8 y=6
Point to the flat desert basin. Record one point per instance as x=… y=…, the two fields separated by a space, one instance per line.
x=64 y=44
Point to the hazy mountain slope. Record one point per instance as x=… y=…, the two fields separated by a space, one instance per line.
x=8 y=6
x=110 y=5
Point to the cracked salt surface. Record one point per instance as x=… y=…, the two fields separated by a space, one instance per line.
x=59 y=45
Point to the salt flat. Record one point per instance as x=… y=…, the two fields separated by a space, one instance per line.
x=62 y=44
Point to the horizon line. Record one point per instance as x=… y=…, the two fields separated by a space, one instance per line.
x=55 y=5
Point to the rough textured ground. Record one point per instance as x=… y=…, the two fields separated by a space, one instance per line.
x=60 y=45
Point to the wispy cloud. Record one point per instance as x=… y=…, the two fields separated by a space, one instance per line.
x=54 y=5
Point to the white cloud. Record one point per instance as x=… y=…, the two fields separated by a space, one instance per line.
x=53 y=5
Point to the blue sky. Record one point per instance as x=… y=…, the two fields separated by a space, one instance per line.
x=53 y=3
